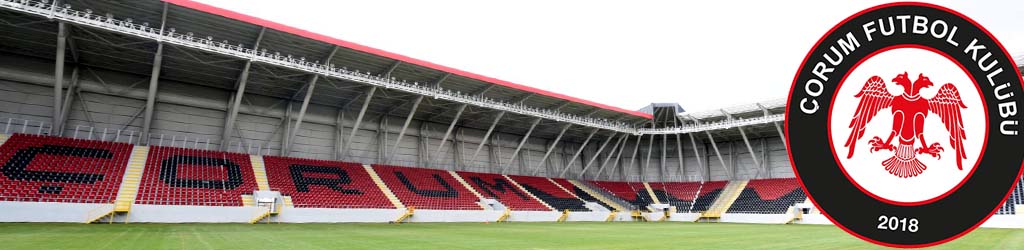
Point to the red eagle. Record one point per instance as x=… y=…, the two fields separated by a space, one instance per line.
x=909 y=111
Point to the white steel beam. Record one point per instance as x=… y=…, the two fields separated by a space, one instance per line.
x=58 y=74
x=746 y=141
x=619 y=145
x=551 y=148
x=236 y=100
x=719 y=154
x=696 y=153
x=596 y=154
x=577 y=154
x=448 y=132
x=154 y=78
x=520 y=146
x=405 y=126
x=487 y=135
x=347 y=150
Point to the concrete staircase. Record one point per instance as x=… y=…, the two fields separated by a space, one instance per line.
x=260 y=172
x=651 y=193
x=528 y=193
x=380 y=184
x=248 y=200
x=724 y=201
x=132 y=178
x=599 y=195
x=288 y=201
x=471 y=189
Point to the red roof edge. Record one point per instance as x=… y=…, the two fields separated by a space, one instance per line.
x=323 y=38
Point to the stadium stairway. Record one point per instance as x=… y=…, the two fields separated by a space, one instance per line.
x=724 y=201
x=129 y=189
x=600 y=196
x=248 y=200
x=260 y=172
x=510 y=180
x=380 y=184
x=471 y=190
x=650 y=192
x=566 y=189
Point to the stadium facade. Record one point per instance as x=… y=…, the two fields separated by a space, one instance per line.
x=177 y=75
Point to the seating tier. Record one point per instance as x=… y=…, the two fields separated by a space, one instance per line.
x=768 y=196
x=427 y=188
x=179 y=176
x=496 y=186
x=53 y=169
x=324 y=184
x=550 y=193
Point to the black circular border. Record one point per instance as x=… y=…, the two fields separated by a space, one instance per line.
x=856 y=212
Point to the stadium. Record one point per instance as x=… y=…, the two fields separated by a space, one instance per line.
x=178 y=124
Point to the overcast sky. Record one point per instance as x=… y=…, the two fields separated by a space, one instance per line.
x=703 y=55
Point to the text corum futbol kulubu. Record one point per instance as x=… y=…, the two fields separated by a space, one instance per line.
x=903 y=125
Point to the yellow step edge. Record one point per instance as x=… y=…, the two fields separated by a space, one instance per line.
x=563 y=188
x=259 y=172
x=528 y=192
x=383 y=187
x=725 y=200
x=129 y=189
x=650 y=191
x=598 y=196
x=466 y=184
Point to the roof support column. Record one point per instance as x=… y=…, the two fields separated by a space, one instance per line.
x=154 y=78
x=486 y=136
x=679 y=149
x=550 y=149
x=302 y=111
x=636 y=149
x=618 y=147
x=577 y=154
x=338 y=127
x=401 y=133
x=647 y=164
x=696 y=153
x=444 y=139
x=596 y=154
x=778 y=128
x=746 y=141
x=286 y=129
x=347 y=150
x=718 y=153
x=664 y=149
x=618 y=159
x=58 y=75
x=520 y=146
x=236 y=100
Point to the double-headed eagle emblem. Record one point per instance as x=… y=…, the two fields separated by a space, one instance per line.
x=909 y=111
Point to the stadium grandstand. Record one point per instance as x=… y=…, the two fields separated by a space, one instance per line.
x=177 y=111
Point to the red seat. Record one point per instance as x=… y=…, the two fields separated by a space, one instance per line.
x=324 y=184
x=53 y=169
x=427 y=188
x=178 y=176
x=496 y=186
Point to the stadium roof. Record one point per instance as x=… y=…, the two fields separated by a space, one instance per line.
x=422 y=66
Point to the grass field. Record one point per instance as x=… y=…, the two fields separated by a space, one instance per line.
x=458 y=236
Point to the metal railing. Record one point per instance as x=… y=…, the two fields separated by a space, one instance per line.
x=208 y=44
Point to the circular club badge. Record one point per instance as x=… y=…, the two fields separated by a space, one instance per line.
x=903 y=124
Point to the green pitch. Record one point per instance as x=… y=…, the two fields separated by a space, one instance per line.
x=458 y=236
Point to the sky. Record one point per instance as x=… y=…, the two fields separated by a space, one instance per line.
x=703 y=55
